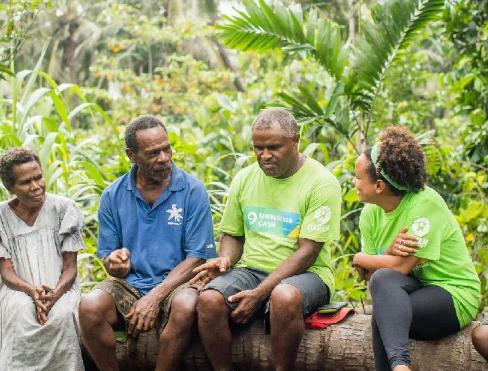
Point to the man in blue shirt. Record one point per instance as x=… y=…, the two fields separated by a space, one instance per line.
x=155 y=227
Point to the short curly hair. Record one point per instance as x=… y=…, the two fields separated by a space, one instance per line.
x=279 y=116
x=401 y=158
x=140 y=123
x=11 y=158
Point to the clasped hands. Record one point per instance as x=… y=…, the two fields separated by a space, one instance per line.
x=44 y=298
x=247 y=300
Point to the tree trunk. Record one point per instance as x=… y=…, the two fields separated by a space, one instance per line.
x=346 y=346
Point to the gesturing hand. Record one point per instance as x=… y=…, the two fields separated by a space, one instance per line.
x=248 y=301
x=119 y=262
x=208 y=271
x=404 y=244
x=143 y=315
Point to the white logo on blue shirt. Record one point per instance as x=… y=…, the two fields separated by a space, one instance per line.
x=175 y=215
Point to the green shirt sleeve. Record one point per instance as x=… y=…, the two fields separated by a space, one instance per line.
x=366 y=228
x=321 y=221
x=233 y=221
x=427 y=223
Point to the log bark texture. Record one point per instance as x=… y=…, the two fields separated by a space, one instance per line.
x=346 y=346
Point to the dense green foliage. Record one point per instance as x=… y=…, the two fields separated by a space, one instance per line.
x=421 y=64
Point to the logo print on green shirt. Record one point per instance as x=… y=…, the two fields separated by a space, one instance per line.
x=323 y=214
x=272 y=221
x=421 y=227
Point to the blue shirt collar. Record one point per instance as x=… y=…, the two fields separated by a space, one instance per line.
x=177 y=182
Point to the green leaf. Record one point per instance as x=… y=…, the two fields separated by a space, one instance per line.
x=334 y=99
x=308 y=97
x=473 y=210
x=296 y=106
x=120 y=336
x=351 y=196
x=79 y=108
x=380 y=43
x=52 y=175
x=5 y=69
x=94 y=172
x=32 y=99
x=262 y=28
x=47 y=148
x=33 y=76
x=314 y=147
x=60 y=109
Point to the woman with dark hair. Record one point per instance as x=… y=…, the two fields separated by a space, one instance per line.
x=422 y=280
x=40 y=235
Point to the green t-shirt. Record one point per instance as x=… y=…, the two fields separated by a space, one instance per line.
x=444 y=258
x=274 y=213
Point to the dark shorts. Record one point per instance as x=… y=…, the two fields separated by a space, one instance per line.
x=125 y=295
x=314 y=291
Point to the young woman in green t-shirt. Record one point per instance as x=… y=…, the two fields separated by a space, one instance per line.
x=422 y=281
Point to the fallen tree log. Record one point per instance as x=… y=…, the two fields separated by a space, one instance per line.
x=346 y=346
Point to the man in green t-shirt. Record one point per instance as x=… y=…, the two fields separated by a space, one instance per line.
x=274 y=259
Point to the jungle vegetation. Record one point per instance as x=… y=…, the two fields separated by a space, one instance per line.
x=74 y=73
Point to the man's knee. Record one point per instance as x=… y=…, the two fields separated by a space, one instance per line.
x=183 y=305
x=286 y=302
x=480 y=340
x=211 y=303
x=97 y=307
x=182 y=316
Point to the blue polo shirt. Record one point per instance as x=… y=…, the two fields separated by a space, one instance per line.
x=177 y=226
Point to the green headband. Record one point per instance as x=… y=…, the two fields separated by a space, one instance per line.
x=374 y=158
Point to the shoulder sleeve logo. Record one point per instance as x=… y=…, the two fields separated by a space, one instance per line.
x=323 y=214
x=421 y=227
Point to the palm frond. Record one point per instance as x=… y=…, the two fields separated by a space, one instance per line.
x=394 y=27
x=303 y=104
x=307 y=110
x=262 y=28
